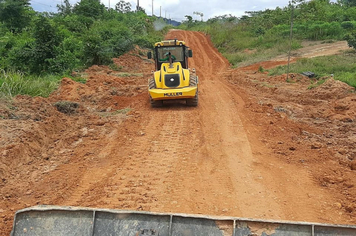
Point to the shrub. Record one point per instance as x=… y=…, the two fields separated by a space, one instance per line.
x=106 y=40
x=351 y=39
x=347 y=25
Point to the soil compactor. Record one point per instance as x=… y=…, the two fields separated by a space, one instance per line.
x=172 y=80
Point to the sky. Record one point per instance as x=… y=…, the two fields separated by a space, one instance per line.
x=177 y=9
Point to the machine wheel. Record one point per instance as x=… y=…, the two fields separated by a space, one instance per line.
x=154 y=103
x=193 y=102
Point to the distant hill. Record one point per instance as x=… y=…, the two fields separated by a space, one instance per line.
x=170 y=21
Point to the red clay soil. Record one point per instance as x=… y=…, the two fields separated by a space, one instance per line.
x=256 y=146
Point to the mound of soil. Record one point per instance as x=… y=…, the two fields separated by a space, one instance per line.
x=135 y=61
x=332 y=89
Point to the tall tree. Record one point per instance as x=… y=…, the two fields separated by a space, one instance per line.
x=349 y=3
x=65 y=8
x=46 y=39
x=123 y=6
x=89 y=8
x=15 y=14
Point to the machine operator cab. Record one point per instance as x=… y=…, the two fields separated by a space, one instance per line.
x=171 y=51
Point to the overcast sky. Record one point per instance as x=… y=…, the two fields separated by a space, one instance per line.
x=177 y=9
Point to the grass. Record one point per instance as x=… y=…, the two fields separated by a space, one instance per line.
x=260 y=52
x=242 y=47
x=235 y=58
x=318 y=83
x=122 y=111
x=80 y=80
x=16 y=83
x=117 y=112
x=115 y=67
x=126 y=74
x=342 y=67
x=348 y=77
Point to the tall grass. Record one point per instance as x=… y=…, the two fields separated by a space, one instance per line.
x=342 y=67
x=347 y=77
x=14 y=83
x=241 y=46
x=259 y=53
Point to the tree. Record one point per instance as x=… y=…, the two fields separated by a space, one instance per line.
x=65 y=9
x=106 y=40
x=349 y=3
x=15 y=14
x=89 y=8
x=123 y=6
x=189 y=18
x=351 y=39
x=199 y=14
x=46 y=39
x=140 y=9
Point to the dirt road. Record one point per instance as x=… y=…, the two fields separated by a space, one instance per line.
x=235 y=154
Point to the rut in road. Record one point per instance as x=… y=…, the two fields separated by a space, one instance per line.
x=196 y=160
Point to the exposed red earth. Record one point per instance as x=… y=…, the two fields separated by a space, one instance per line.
x=256 y=146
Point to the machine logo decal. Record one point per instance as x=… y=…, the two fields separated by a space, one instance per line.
x=173 y=94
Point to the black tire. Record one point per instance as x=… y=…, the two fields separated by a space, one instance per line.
x=193 y=102
x=154 y=103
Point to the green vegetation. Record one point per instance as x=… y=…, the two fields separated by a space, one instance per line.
x=15 y=83
x=262 y=35
x=38 y=48
x=125 y=74
x=239 y=41
x=117 y=112
x=261 y=69
x=342 y=67
x=347 y=77
x=319 y=82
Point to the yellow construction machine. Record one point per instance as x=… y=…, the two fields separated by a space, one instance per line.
x=172 y=80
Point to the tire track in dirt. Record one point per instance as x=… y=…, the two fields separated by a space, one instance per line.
x=230 y=166
x=139 y=170
x=95 y=174
x=226 y=151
